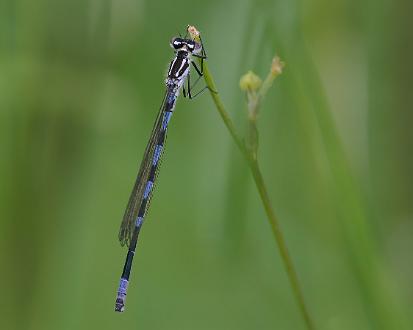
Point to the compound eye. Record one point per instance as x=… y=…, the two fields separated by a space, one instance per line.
x=177 y=43
x=191 y=45
x=195 y=47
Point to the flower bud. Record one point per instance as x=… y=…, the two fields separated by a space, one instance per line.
x=250 y=82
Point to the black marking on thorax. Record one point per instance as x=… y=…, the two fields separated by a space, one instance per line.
x=179 y=65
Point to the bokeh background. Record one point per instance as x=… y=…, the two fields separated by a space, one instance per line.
x=80 y=85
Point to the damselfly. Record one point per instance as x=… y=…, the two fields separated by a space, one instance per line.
x=142 y=191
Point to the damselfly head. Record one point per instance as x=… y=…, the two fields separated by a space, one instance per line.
x=188 y=45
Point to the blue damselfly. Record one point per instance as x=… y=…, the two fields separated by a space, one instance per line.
x=142 y=191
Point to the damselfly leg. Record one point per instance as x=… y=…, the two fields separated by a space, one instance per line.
x=200 y=72
x=191 y=87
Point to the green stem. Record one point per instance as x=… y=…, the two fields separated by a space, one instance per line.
x=260 y=184
x=221 y=109
x=279 y=238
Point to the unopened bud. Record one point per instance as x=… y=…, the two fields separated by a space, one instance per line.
x=250 y=82
x=277 y=66
x=193 y=32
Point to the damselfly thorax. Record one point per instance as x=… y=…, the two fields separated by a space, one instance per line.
x=180 y=66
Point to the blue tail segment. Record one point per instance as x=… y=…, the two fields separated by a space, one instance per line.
x=157 y=153
x=166 y=117
x=148 y=189
x=121 y=297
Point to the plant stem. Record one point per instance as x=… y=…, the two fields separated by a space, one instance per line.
x=260 y=184
x=279 y=238
x=221 y=109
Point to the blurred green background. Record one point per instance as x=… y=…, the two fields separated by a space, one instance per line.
x=80 y=85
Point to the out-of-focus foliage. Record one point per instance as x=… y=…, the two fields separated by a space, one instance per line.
x=80 y=86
